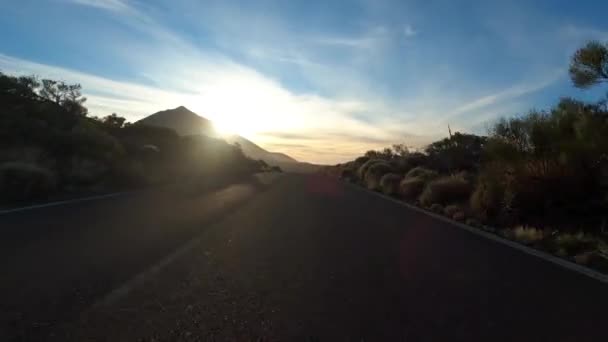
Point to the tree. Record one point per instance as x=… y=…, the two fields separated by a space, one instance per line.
x=385 y=154
x=589 y=65
x=68 y=96
x=23 y=86
x=114 y=121
x=401 y=150
x=460 y=151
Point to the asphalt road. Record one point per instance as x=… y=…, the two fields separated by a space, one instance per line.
x=306 y=259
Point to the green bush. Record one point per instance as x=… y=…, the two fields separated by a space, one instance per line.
x=390 y=183
x=374 y=173
x=569 y=244
x=528 y=235
x=446 y=190
x=488 y=196
x=24 y=182
x=362 y=170
x=422 y=173
x=411 y=187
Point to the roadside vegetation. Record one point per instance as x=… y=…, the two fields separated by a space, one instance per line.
x=50 y=147
x=540 y=178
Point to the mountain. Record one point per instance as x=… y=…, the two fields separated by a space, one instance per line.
x=181 y=120
x=256 y=152
x=185 y=122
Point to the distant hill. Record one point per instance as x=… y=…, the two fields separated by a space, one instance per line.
x=254 y=151
x=185 y=122
x=181 y=120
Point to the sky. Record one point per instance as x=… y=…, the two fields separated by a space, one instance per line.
x=323 y=81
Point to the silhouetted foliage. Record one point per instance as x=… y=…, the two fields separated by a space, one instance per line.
x=458 y=152
x=48 y=144
x=589 y=65
x=389 y=183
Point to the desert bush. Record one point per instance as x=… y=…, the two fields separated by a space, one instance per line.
x=389 y=183
x=356 y=164
x=362 y=170
x=574 y=243
x=452 y=209
x=405 y=163
x=24 y=181
x=414 y=159
x=528 y=235
x=421 y=172
x=374 y=173
x=488 y=196
x=458 y=152
x=446 y=190
x=411 y=187
x=455 y=212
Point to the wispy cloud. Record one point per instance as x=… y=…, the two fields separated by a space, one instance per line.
x=368 y=40
x=320 y=94
x=110 y=5
x=509 y=93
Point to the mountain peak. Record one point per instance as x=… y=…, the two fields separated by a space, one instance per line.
x=185 y=122
x=182 y=120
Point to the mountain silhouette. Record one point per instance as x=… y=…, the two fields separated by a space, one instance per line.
x=186 y=122
x=181 y=120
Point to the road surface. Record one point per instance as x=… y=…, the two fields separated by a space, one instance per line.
x=305 y=259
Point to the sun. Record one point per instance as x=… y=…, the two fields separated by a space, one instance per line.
x=223 y=129
x=231 y=125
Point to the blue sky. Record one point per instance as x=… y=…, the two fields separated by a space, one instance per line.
x=322 y=81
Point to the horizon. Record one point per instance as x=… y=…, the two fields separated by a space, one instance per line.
x=321 y=82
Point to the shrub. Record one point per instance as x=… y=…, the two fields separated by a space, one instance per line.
x=363 y=168
x=455 y=212
x=410 y=188
x=405 y=163
x=374 y=173
x=390 y=183
x=360 y=161
x=422 y=173
x=446 y=190
x=528 y=235
x=487 y=198
x=572 y=244
x=414 y=159
x=452 y=209
x=24 y=181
